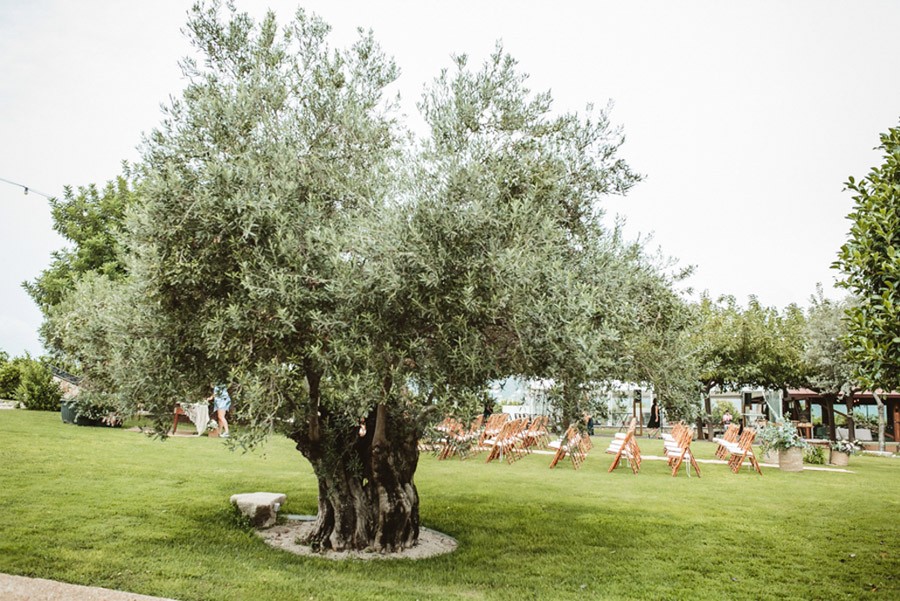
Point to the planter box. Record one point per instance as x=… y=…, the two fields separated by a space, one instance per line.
x=68 y=415
x=791 y=460
x=770 y=457
x=838 y=458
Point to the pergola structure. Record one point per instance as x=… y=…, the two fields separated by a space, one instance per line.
x=799 y=403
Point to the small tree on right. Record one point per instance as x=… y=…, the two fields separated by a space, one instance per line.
x=870 y=262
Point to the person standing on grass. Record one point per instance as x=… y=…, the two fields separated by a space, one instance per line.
x=653 y=422
x=222 y=405
x=726 y=419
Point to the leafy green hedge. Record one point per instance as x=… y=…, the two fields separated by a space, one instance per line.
x=10 y=375
x=28 y=381
x=36 y=389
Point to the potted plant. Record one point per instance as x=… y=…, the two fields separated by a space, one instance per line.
x=841 y=451
x=784 y=438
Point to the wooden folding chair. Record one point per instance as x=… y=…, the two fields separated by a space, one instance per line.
x=561 y=446
x=466 y=443
x=729 y=436
x=672 y=438
x=492 y=426
x=681 y=451
x=579 y=448
x=572 y=444
x=544 y=431
x=586 y=442
x=448 y=429
x=744 y=450
x=503 y=444
x=536 y=435
x=517 y=448
x=625 y=447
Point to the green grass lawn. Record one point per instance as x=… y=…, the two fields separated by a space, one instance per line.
x=112 y=508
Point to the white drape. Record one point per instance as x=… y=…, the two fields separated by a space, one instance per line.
x=198 y=413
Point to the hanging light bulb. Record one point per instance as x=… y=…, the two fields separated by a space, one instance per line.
x=26 y=190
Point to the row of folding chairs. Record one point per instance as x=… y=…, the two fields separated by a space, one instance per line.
x=499 y=434
x=509 y=443
x=572 y=443
x=511 y=439
x=738 y=449
x=625 y=445
x=457 y=438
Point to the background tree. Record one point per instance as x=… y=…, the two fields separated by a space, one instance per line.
x=658 y=345
x=829 y=372
x=824 y=350
x=870 y=262
x=90 y=327
x=10 y=373
x=756 y=347
x=36 y=389
x=284 y=244
x=91 y=221
x=28 y=381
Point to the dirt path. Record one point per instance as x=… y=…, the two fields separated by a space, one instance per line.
x=19 y=588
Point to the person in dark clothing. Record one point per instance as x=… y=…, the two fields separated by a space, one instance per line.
x=653 y=422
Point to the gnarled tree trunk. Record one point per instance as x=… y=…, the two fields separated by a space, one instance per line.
x=367 y=498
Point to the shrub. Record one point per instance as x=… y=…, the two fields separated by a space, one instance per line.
x=36 y=389
x=814 y=455
x=10 y=376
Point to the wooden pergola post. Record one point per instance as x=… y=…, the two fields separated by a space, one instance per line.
x=637 y=410
x=829 y=409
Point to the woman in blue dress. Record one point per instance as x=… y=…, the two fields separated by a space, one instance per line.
x=221 y=406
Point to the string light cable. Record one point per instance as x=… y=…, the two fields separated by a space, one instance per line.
x=28 y=189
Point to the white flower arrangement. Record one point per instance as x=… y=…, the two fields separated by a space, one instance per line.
x=845 y=446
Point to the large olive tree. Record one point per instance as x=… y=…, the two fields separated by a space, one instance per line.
x=351 y=286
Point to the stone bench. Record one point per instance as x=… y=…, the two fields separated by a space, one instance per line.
x=260 y=507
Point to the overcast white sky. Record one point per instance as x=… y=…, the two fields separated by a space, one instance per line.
x=745 y=117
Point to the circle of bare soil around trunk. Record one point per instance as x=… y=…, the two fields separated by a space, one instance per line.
x=285 y=536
